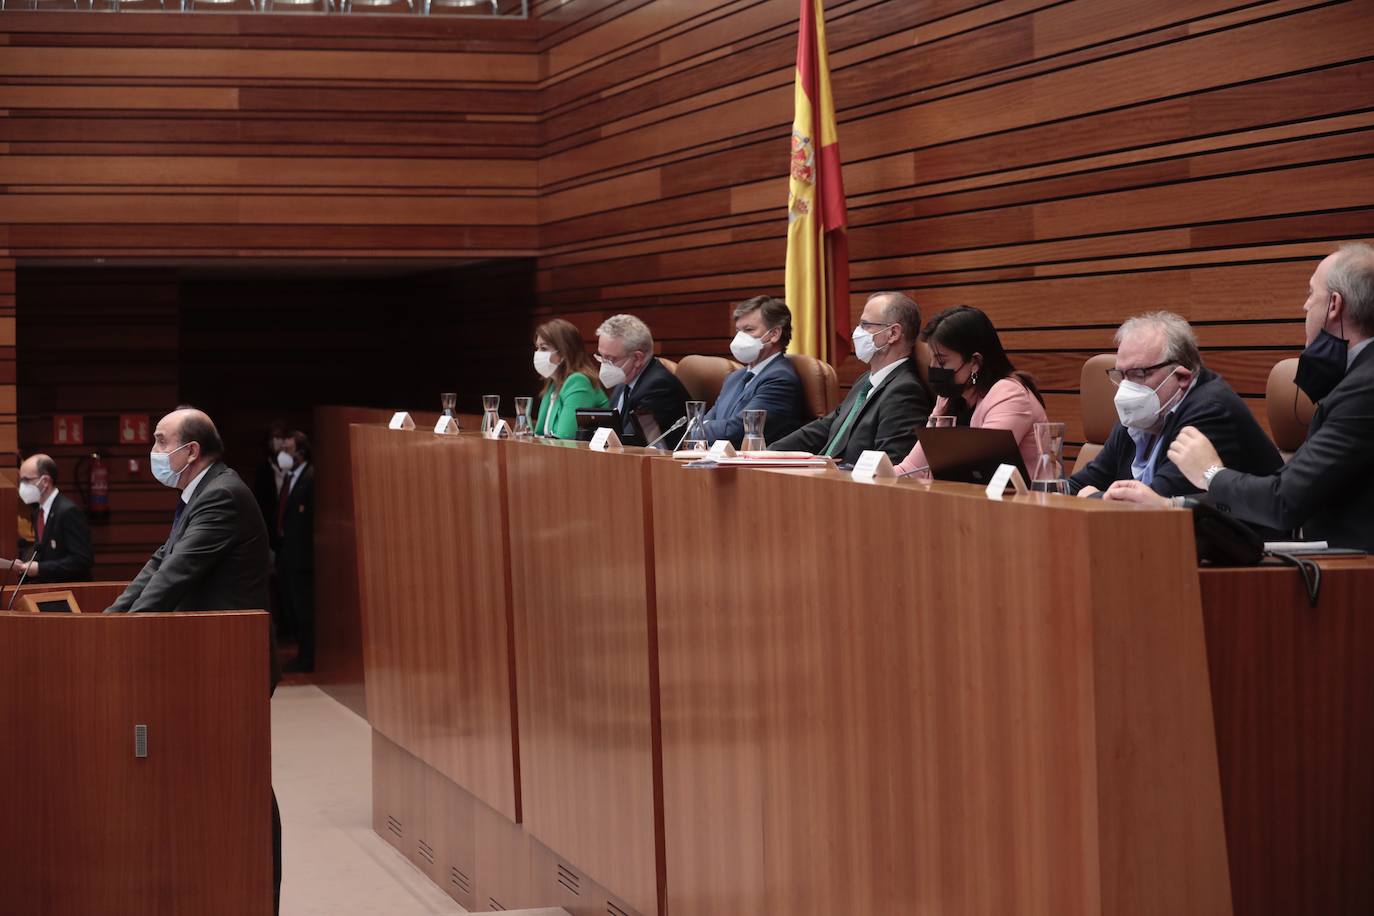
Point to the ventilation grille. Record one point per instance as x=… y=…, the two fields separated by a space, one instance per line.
x=394 y=826
x=426 y=851
x=569 y=879
x=494 y=904
x=460 y=880
x=613 y=910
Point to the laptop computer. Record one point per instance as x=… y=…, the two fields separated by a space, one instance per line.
x=966 y=455
x=643 y=428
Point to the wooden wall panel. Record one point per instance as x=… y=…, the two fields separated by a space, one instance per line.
x=1060 y=165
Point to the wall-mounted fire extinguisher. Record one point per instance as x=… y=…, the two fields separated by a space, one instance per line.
x=93 y=480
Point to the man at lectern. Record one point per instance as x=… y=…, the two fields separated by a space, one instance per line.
x=216 y=555
x=61 y=539
x=1327 y=489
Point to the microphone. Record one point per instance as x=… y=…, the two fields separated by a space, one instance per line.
x=22 y=576
x=681 y=421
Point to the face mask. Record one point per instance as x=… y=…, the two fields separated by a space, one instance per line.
x=864 y=348
x=1138 y=406
x=612 y=375
x=160 y=463
x=543 y=363
x=746 y=349
x=942 y=382
x=1321 y=366
x=28 y=492
x=285 y=461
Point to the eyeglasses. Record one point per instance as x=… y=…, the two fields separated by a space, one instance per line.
x=874 y=325
x=604 y=360
x=1136 y=375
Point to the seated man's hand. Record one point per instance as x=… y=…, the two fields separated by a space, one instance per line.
x=1089 y=490
x=1133 y=491
x=1193 y=453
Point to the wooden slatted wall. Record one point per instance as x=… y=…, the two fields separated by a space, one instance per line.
x=1059 y=164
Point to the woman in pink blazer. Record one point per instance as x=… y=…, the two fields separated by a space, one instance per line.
x=975 y=382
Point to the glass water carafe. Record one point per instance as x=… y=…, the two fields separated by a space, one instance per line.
x=1048 y=473
x=695 y=437
x=491 y=411
x=753 y=430
x=523 y=425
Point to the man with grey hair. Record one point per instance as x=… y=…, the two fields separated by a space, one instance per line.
x=888 y=403
x=635 y=378
x=1327 y=489
x=1162 y=386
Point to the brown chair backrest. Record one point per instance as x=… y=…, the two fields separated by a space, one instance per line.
x=820 y=385
x=1096 y=397
x=669 y=365
x=923 y=361
x=1290 y=411
x=703 y=376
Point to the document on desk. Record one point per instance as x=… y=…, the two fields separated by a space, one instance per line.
x=759 y=461
x=1301 y=548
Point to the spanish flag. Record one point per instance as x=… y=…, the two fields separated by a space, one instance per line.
x=817 y=238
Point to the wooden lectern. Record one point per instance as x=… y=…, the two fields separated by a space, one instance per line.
x=136 y=764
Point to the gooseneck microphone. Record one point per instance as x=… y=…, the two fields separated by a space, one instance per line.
x=681 y=421
x=24 y=574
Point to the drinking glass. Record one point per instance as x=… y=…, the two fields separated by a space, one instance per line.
x=523 y=429
x=491 y=411
x=934 y=422
x=753 y=430
x=449 y=400
x=695 y=437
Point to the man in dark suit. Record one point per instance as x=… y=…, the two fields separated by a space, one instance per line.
x=768 y=381
x=634 y=376
x=62 y=541
x=1163 y=387
x=888 y=404
x=1327 y=488
x=293 y=540
x=216 y=556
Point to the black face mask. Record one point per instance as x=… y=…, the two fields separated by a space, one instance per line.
x=943 y=384
x=1321 y=366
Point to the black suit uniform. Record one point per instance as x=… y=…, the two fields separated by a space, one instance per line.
x=294 y=543
x=889 y=419
x=64 y=552
x=656 y=390
x=215 y=559
x=1327 y=488
x=1218 y=413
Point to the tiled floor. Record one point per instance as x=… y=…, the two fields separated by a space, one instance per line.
x=334 y=865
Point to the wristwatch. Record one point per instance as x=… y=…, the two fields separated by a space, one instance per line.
x=1211 y=472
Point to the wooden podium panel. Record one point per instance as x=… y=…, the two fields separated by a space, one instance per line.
x=90 y=828
x=1293 y=693
x=433 y=571
x=582 y=591
x=91 y=597
x=893 y=698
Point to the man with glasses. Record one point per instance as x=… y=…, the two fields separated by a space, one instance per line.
x=1162 y=387
x=61 y=539
x=888 y=403
x=634 y=377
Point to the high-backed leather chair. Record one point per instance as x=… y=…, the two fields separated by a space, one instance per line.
x=923 y=360
x=1290 y=411
x=1096 y=396
x=820 y=385
x=668 y=364
x=703 y=376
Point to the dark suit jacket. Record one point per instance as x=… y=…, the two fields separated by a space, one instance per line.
x=1327 y=488
x=215 y=559
x=656 y=390
x=296 y=546
x=889 y=420
x=64 y=554
x=1218 y=413
x=778 y=390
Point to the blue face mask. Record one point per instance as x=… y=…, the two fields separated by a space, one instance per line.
x=1321 y=366
x=160 y=463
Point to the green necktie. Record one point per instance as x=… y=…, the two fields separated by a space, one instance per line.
x=849 y=419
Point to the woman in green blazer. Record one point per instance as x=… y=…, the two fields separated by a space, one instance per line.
x=570 y=379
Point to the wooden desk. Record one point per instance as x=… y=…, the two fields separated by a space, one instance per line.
x=91 y=597
x=89 y=828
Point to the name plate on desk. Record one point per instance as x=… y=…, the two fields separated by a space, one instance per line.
x=447 y=426
x=499 y=431
x=1007 y=475
x=605 y=440
x=721 y=448
x=873 y=465
x=401 y=420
